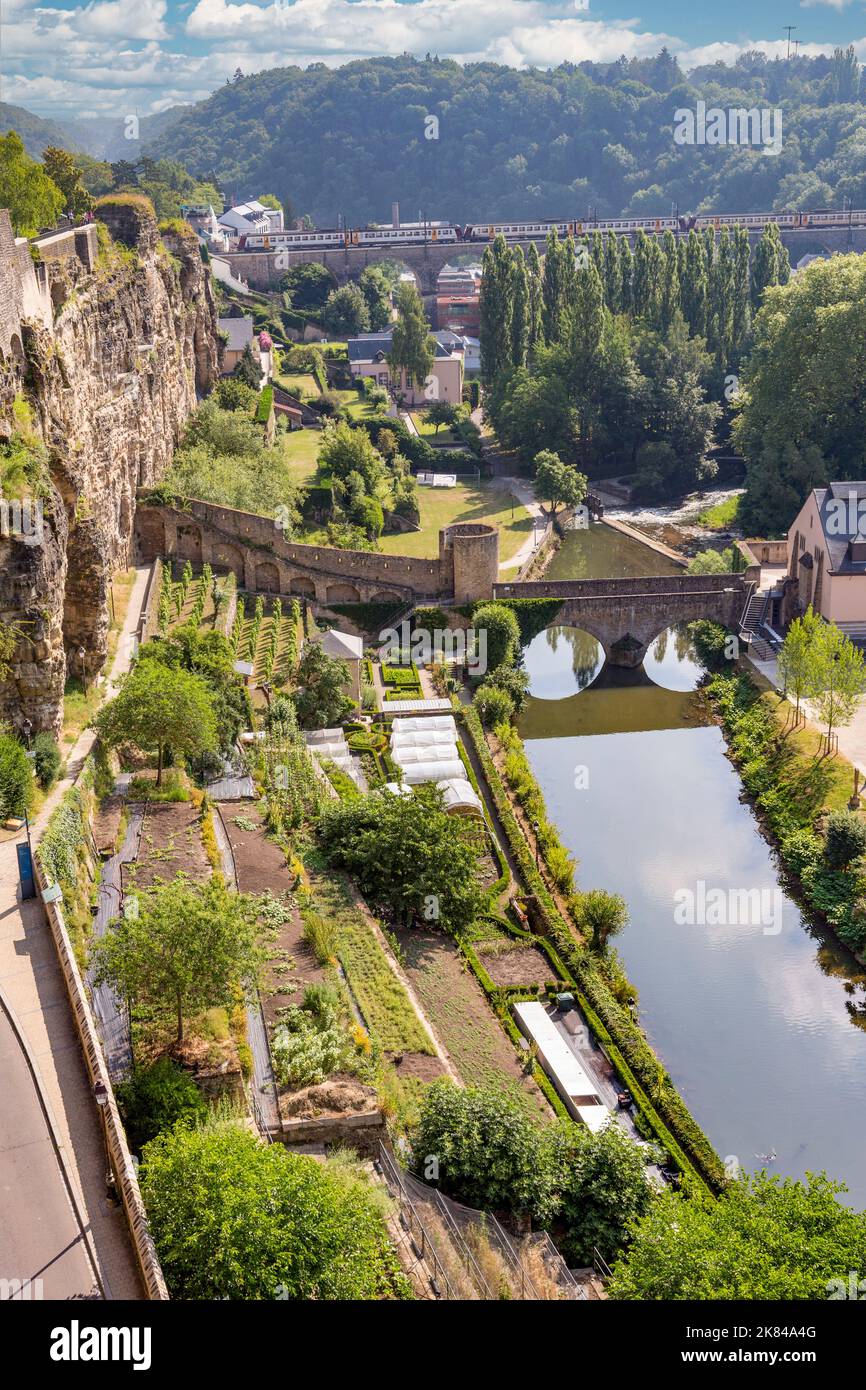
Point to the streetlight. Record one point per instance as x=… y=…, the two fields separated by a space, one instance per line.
x=535 y=832
x=27 y=729
x=100 y=1093
x=82 y=657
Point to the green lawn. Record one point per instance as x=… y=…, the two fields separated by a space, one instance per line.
x=481 y=501
x=302 y=449
x=298 y=383
x=428 y=431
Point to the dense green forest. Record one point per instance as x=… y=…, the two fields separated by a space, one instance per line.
x=618 y=358
x=524 y=143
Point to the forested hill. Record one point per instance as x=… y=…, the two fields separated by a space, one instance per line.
x=521 y=143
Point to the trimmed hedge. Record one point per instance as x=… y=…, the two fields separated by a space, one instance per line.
x=665 y=1113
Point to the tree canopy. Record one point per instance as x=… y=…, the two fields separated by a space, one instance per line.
x=158 y=707
x=235 y=1219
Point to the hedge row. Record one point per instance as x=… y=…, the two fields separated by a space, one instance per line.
x=665 y=1114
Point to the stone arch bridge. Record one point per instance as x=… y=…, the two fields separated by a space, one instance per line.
x=626 y=615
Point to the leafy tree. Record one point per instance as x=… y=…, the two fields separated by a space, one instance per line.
x=494 y=705
x=233 y=394
x=604 y=1192
x=64 y=170
x=495 y=310
x=408 y=855
x=187 y=948
x=764 y=1238
x=557 y=483
x=485 y=1150
x=497 y=627
x=375 y=286
x=346 y=313
x=440 y=413
x=801 y=415
x=16 y=778
x=247 y=370
x=234 y=1219
x=46 y=760
x=155 y=1098
x=308 y=285
x=840 y=677
x=520 y=308
x=846 y=839
x=412 y=344
x=156 y=708
x=604 y=914
x=33 y=199
x=798 y=658
x=320 y=689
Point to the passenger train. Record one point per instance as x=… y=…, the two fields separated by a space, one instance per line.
x=436 y=233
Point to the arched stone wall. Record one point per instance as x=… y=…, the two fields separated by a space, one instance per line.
x=228 y=557
x=342 y=593
x=268 y=577
x=189 y=544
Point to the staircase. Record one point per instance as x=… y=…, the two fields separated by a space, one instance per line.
x=752 y=622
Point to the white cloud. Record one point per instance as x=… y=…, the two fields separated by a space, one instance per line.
x=115 y=56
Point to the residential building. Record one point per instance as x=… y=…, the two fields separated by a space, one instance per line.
x=826 y=554
x=458 y=299
x=239 y=335
x=251 y=217
x=368 y=356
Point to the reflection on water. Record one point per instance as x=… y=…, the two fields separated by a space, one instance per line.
x=763 y=1033
x=554 y=674
x=599 y=551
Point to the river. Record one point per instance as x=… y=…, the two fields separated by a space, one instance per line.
x=759 y=1017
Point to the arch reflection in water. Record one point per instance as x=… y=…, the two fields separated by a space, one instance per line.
x=562 y=661
x=672 y=661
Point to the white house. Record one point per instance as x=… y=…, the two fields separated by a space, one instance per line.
x=251 y=217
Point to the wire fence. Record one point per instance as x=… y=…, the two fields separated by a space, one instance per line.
x=467 y=1253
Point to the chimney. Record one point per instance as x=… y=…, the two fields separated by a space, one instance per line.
x=395 y=214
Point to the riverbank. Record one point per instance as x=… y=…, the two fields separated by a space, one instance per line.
x=793 y=785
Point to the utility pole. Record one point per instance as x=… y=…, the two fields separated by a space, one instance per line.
x=789 y=29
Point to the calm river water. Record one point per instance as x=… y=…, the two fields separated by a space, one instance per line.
x=761 y=1024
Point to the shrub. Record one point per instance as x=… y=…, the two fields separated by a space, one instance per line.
x=846 y=839
x=494 y=705
x=47 y=761
x=16 y=778
x=501 y=633
x=155 y=1098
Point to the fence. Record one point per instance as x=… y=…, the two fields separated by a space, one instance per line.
x=468 y=1254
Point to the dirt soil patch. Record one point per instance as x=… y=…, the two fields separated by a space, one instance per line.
x=480 y=1051
x=526 y=966
x=106 y=824
x=341 y=1094
x=261 y=867
x=170 y=843
x=418 y=1065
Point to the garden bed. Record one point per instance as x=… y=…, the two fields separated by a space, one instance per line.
x=524 y=965
x=170 y=843
x=455 y=1003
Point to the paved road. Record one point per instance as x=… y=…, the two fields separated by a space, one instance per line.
x=37 y=1222
x=46 y=1243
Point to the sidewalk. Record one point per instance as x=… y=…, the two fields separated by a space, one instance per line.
x=523 y=492
x=37 y=1224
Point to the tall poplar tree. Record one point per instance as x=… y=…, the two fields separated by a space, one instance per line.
x=536 y=298
x=412 y=344
x=495 y=309
x=519 y=308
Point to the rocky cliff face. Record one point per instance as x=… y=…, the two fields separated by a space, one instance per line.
x=110 y=385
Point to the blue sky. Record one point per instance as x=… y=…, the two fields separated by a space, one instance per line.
x=122 y=57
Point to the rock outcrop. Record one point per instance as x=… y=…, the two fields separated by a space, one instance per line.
x=110 y=379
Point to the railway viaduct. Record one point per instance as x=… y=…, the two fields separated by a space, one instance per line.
x=625 y=615
x=262 y=269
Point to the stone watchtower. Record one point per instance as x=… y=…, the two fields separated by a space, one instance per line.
x=469 y=554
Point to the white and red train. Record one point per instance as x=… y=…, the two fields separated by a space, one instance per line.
x=419 y=233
